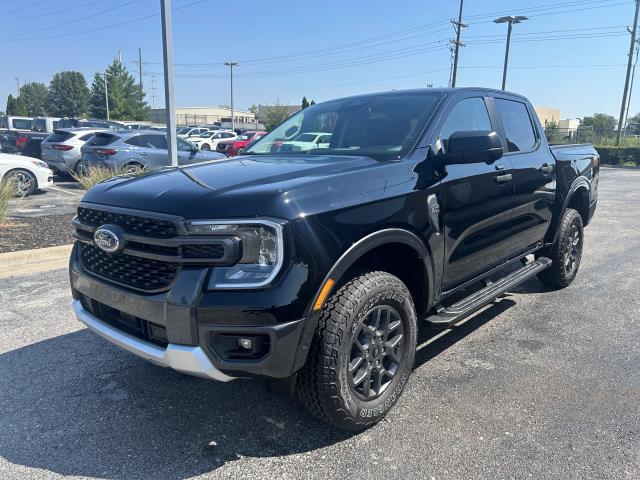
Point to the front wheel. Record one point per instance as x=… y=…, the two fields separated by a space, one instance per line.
x=205 y=147
x=565 y=253
x=24 y=182
x=362 y=353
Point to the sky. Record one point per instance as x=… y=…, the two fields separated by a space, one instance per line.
x=570 y=54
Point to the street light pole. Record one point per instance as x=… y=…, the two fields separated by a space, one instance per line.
x=510 y=20
x=233 y=118
x=169 y=100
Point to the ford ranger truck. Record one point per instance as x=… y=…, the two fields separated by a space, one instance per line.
x=317 y=268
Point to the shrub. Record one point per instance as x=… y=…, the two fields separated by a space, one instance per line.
x=7 y=192
x=93 y=175
x=623 y=156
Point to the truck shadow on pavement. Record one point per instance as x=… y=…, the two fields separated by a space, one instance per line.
x=76 y=405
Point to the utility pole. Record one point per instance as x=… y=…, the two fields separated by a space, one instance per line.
x=458 y=28
x=510 y=20
x=233 y=118
x=17 y=79
x=169 y=100
x=140 y=66
x=153 y=89
x=629 y=63
x=106 y=93
x=633 y=76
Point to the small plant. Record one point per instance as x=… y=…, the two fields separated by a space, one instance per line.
x=92 y=175
x=7 y=192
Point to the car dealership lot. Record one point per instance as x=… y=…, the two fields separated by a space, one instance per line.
x=541 y=384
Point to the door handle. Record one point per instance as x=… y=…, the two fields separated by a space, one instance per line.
x=499 y=167
x=546 y=168
x=504 y=178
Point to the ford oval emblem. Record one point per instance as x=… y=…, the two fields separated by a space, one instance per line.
x=108 y=239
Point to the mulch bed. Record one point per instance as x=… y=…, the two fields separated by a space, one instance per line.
x=35 y=232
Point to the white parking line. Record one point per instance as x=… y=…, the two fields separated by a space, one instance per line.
x=66 y=191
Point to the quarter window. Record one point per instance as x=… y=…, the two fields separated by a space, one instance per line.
x=517 y=125
x=469 y=114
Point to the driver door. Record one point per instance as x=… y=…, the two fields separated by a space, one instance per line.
x=477 y=204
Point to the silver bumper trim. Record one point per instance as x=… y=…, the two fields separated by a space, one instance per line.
x=183 y=358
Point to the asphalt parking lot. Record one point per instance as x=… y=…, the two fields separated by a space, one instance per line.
x=542 y=384
x=62 y=197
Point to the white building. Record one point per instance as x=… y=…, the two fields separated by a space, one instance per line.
x=202 y=115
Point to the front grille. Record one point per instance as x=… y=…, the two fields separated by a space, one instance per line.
x=215 y=250
x=138 y=327
x=136 y=225
x=137 y=272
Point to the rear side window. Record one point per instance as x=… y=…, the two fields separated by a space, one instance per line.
x=56 y=137
x=21 y=124
x=517 y=125
x=469 y=114
x=86 y=137
x=148 y=141
x=102 y=139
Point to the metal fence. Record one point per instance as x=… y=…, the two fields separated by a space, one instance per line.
x=589 y=135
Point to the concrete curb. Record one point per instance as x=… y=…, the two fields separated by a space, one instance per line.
x=33 y=261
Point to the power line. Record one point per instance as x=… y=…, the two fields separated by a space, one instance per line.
x=105 y=27
x=22 y=7
x=49 y=14
x=94 y=14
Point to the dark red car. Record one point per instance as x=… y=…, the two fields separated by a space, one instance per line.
x=231 y=147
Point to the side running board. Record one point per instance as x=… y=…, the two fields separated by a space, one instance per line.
x=453 y=314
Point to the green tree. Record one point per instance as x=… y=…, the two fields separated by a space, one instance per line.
x=68 y=94
x=599 y=122
x=633 y=124
x=34 y=97
x=126 y=98
x=275 y=114
x=552 y=132
x=305 y=103
x=15 y=106
x=313 y=102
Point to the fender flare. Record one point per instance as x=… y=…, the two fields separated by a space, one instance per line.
x=578 y=183
x=368 y=243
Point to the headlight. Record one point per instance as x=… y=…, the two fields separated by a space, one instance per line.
x=262 y=251
x=40 y=164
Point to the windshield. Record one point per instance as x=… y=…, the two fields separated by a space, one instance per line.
x=206 y=134
x=183 y=131
x=383 y=127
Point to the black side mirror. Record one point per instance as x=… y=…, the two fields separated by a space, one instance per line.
x=473 y=147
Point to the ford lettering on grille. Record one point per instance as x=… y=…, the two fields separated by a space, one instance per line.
x=108 y=239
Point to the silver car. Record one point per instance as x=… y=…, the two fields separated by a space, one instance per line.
x=61 y=149
x=134 y=150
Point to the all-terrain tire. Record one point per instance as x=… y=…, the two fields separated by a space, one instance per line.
x=326 y=384
x=565 y=253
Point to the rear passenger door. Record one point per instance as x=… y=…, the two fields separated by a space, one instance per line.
x=533 y=175
x=475 y=201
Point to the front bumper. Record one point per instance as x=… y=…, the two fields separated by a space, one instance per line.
x=193 y=320
x=186 y=359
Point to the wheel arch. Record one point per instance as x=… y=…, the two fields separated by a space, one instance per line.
x=18 y=169
x=577 y=198
x=372 y=250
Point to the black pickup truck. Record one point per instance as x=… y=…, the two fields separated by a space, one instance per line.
x=317 y=264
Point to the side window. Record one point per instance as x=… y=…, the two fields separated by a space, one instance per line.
x=184 y=146
x=137 y=141
x=468 y=114
x=157 y=141
x=86 y=137
x=517 y=125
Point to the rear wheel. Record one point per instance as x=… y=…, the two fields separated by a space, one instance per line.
x=24 y=182
x=362 y=352
x=80 y=169
x=205 y=146
x=132 y=167
x=566 y=252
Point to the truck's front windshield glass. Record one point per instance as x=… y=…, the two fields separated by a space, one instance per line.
x=383 y=127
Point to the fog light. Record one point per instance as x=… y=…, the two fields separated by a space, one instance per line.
x=246 y=343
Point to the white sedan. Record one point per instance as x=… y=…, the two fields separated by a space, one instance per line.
x=209 y=140
x=307 y=141
x=29 y=174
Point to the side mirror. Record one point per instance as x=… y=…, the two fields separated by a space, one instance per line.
x=473 y=147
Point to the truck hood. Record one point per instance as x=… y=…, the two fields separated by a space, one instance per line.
x=248 y=186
